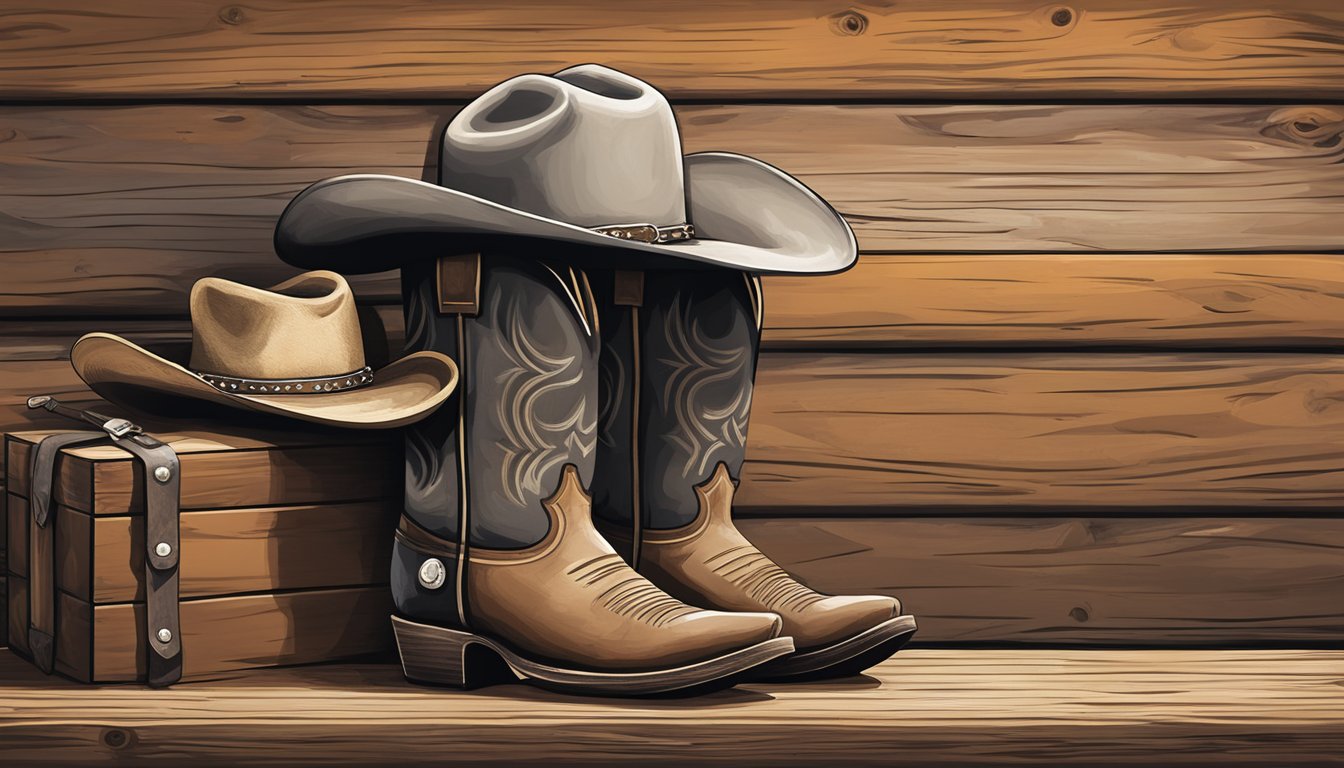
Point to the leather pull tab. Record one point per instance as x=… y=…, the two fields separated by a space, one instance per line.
x=458 y=284
x=628 y=288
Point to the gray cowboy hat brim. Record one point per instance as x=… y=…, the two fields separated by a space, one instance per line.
x=747 y=214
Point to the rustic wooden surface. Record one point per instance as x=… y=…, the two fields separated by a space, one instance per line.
x=230 y=551
x=719 y=48
x=1047 y=431
x=943 y=300
x=926 y=707
x=1082 y=580
x=222 y=634
x=22 y=379
x=16 y=613
x=1101 y=580
x=1031 y=431
x=137 y=202
x=220 y=471
x=1004 y=300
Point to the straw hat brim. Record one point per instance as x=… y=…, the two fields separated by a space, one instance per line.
x=747 y=214
x=402 y=392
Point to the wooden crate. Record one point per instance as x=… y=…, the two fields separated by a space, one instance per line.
x=285 y=541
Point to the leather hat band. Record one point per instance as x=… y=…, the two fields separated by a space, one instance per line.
x=235 y=385
x=648 y=233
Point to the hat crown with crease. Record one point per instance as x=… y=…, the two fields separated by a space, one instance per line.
x=305 y=328
x=589 y=146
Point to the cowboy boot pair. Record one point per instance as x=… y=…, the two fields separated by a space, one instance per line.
x=498 y=573
x=677 y=368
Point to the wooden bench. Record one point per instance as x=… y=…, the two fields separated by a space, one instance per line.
x=1083 y=390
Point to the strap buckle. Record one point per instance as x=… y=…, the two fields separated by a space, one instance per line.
x=119 y=428
x=116 y=428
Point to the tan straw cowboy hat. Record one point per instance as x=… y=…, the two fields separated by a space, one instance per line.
x=588 y=160
x=293 y=350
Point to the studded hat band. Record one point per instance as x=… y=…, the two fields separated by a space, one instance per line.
x=648 y=233
x=346 y=381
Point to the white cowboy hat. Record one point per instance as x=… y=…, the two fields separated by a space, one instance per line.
x=588 y=157
x=294 y=350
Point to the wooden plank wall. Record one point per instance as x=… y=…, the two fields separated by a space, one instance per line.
x=1083 y=387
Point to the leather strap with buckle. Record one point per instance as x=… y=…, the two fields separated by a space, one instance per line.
x=162 y=484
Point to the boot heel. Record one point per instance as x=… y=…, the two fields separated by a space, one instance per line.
x=440 y=656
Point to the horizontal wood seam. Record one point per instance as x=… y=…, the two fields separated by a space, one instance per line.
x=221 y=595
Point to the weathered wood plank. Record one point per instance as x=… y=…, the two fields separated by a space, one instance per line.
x=973 y=301
x=1256 y=300
x=720 y=48
x=1000 y=430
x=925 y=431
x=220 y=469
x=224 y=552
x=51 y=339
x=923 y=707
x=226 y=633
x=1220 y=581
x=23 y=379
x=137 y=202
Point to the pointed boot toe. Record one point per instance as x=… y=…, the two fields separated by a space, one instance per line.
x=731 y=630
x=836 y=617
x=709 y=562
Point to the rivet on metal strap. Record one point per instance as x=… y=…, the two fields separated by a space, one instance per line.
x=164 y=549
x=165 y=635
x=162 y=474
x=432 y=573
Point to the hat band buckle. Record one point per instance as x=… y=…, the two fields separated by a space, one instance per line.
x=648 y=233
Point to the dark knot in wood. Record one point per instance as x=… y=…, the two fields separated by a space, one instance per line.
x=1321 y=127
x=1062 y=17
x=117 y=738
x=231 y=15
x=849 y=23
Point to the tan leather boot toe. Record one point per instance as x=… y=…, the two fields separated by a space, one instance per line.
x=709 y=562
x=836 y=617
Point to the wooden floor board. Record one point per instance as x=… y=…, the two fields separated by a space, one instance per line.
x=927 y=707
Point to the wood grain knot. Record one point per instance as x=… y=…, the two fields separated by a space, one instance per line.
x=231 y=15
x=1079 y=615
x=849 y=23
x=1320 y=127
x=117 y=738
x=1062 y=17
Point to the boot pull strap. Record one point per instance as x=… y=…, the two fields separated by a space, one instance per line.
x=457 y=283
x=628 y=288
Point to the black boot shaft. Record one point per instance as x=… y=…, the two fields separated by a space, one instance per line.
x=677 y=375
x=525 y=407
